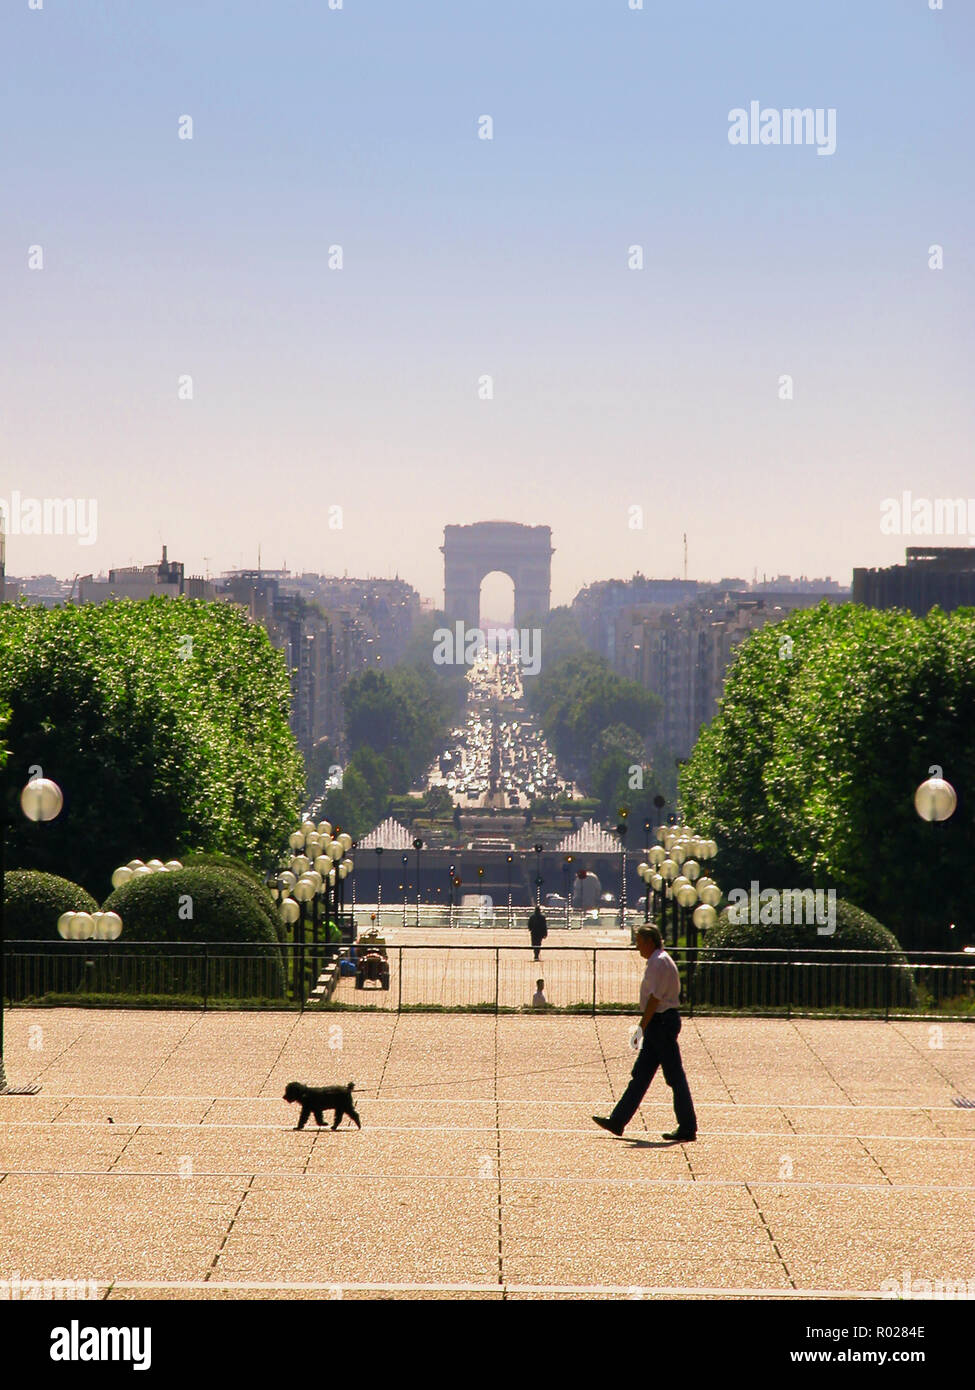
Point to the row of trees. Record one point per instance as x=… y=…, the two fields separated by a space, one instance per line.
x=165 y=723
x=396 y=722
x=829 y=721
x=599 y=724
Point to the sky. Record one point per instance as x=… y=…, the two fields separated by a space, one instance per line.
x=184 y=355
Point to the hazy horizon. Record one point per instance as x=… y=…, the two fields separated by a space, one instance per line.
x=360 y=387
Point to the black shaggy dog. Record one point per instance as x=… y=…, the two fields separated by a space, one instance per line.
x=315 y=1099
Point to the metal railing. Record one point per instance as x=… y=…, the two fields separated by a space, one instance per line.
x=486 y=978
x=497 y=917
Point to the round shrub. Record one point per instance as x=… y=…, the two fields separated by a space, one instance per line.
x=33 y=902
x=199 y=905
x=191 y=904
x=827 y=974
x=242 y=874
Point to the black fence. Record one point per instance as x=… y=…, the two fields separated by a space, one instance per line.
x=495 y=979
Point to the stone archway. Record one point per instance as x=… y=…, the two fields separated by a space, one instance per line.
x=524 y=553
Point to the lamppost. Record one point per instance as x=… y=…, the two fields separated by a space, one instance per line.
x=538 y=874
x=935 y=801
x=40 y=800
x=510 y=860
x=669 y=870
x=303 y=891
x=655 y=857
x=379 y=887
x=643 y=873
x=406 y=865
x=621 y=832
x=418 y=845
x=566 y=882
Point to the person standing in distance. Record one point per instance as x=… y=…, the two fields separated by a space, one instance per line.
x=537 y=929
x=660 y=1024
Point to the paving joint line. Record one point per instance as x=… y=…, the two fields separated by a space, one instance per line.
x=194 y=1023
x=711 y=1058
x=842 y=1089
x=122 y=1150
x=925 y=1053
x=768 y=1232
x=272 y=1128
x=874 y=1159
x=622 y=1291
x=633 y=1180
x=940 y=1128
x=233 y=1219
x=389 y=1053
x=919 y=1108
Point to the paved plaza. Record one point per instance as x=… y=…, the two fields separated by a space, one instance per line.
x=158 y=1158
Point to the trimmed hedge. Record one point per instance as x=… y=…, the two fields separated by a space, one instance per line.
x=33 y=902
x=830 y=975
x=243 y=874
x=204 y=904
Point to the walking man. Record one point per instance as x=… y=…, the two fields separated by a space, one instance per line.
x=660 y=1024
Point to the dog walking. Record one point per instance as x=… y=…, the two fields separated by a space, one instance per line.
x=660 y=1025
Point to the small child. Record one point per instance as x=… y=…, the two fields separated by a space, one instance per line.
x=538 y=999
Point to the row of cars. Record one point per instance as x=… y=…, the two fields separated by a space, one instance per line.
x=499 y=748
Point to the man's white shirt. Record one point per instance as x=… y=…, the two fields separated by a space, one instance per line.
x=662 y=979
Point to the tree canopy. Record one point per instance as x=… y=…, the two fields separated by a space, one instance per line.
x=829 y=721
x=165 y=723
x=578 y=696
x=404 y=713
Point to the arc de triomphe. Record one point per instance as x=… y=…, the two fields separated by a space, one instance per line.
x=523 y=553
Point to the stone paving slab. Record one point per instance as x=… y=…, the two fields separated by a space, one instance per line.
x=104 y=1227
x=479 y=1173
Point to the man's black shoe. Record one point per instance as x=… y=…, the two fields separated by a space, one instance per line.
x=679 y=1137
x=607 y=1124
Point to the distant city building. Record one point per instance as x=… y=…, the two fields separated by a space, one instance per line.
x=933 y=576
x=681 y=649
x=328 y=630
x=44 y=589
x=167 y=579
x=596 y=606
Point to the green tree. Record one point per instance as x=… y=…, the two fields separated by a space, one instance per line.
x=806 y=777
x=165 y=722
x=580 y=696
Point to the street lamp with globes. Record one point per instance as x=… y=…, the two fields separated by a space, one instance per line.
x=935 y=801
x=40 y=800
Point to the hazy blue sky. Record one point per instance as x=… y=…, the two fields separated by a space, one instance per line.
x=613 y=388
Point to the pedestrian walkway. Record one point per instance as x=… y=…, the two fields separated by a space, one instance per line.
x=158 y=1158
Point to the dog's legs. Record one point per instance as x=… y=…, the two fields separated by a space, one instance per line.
x=320 y=1118
x=353 y=1115
x=303 y=1117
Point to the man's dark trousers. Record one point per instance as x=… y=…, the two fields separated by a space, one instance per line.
x=659 y=1050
